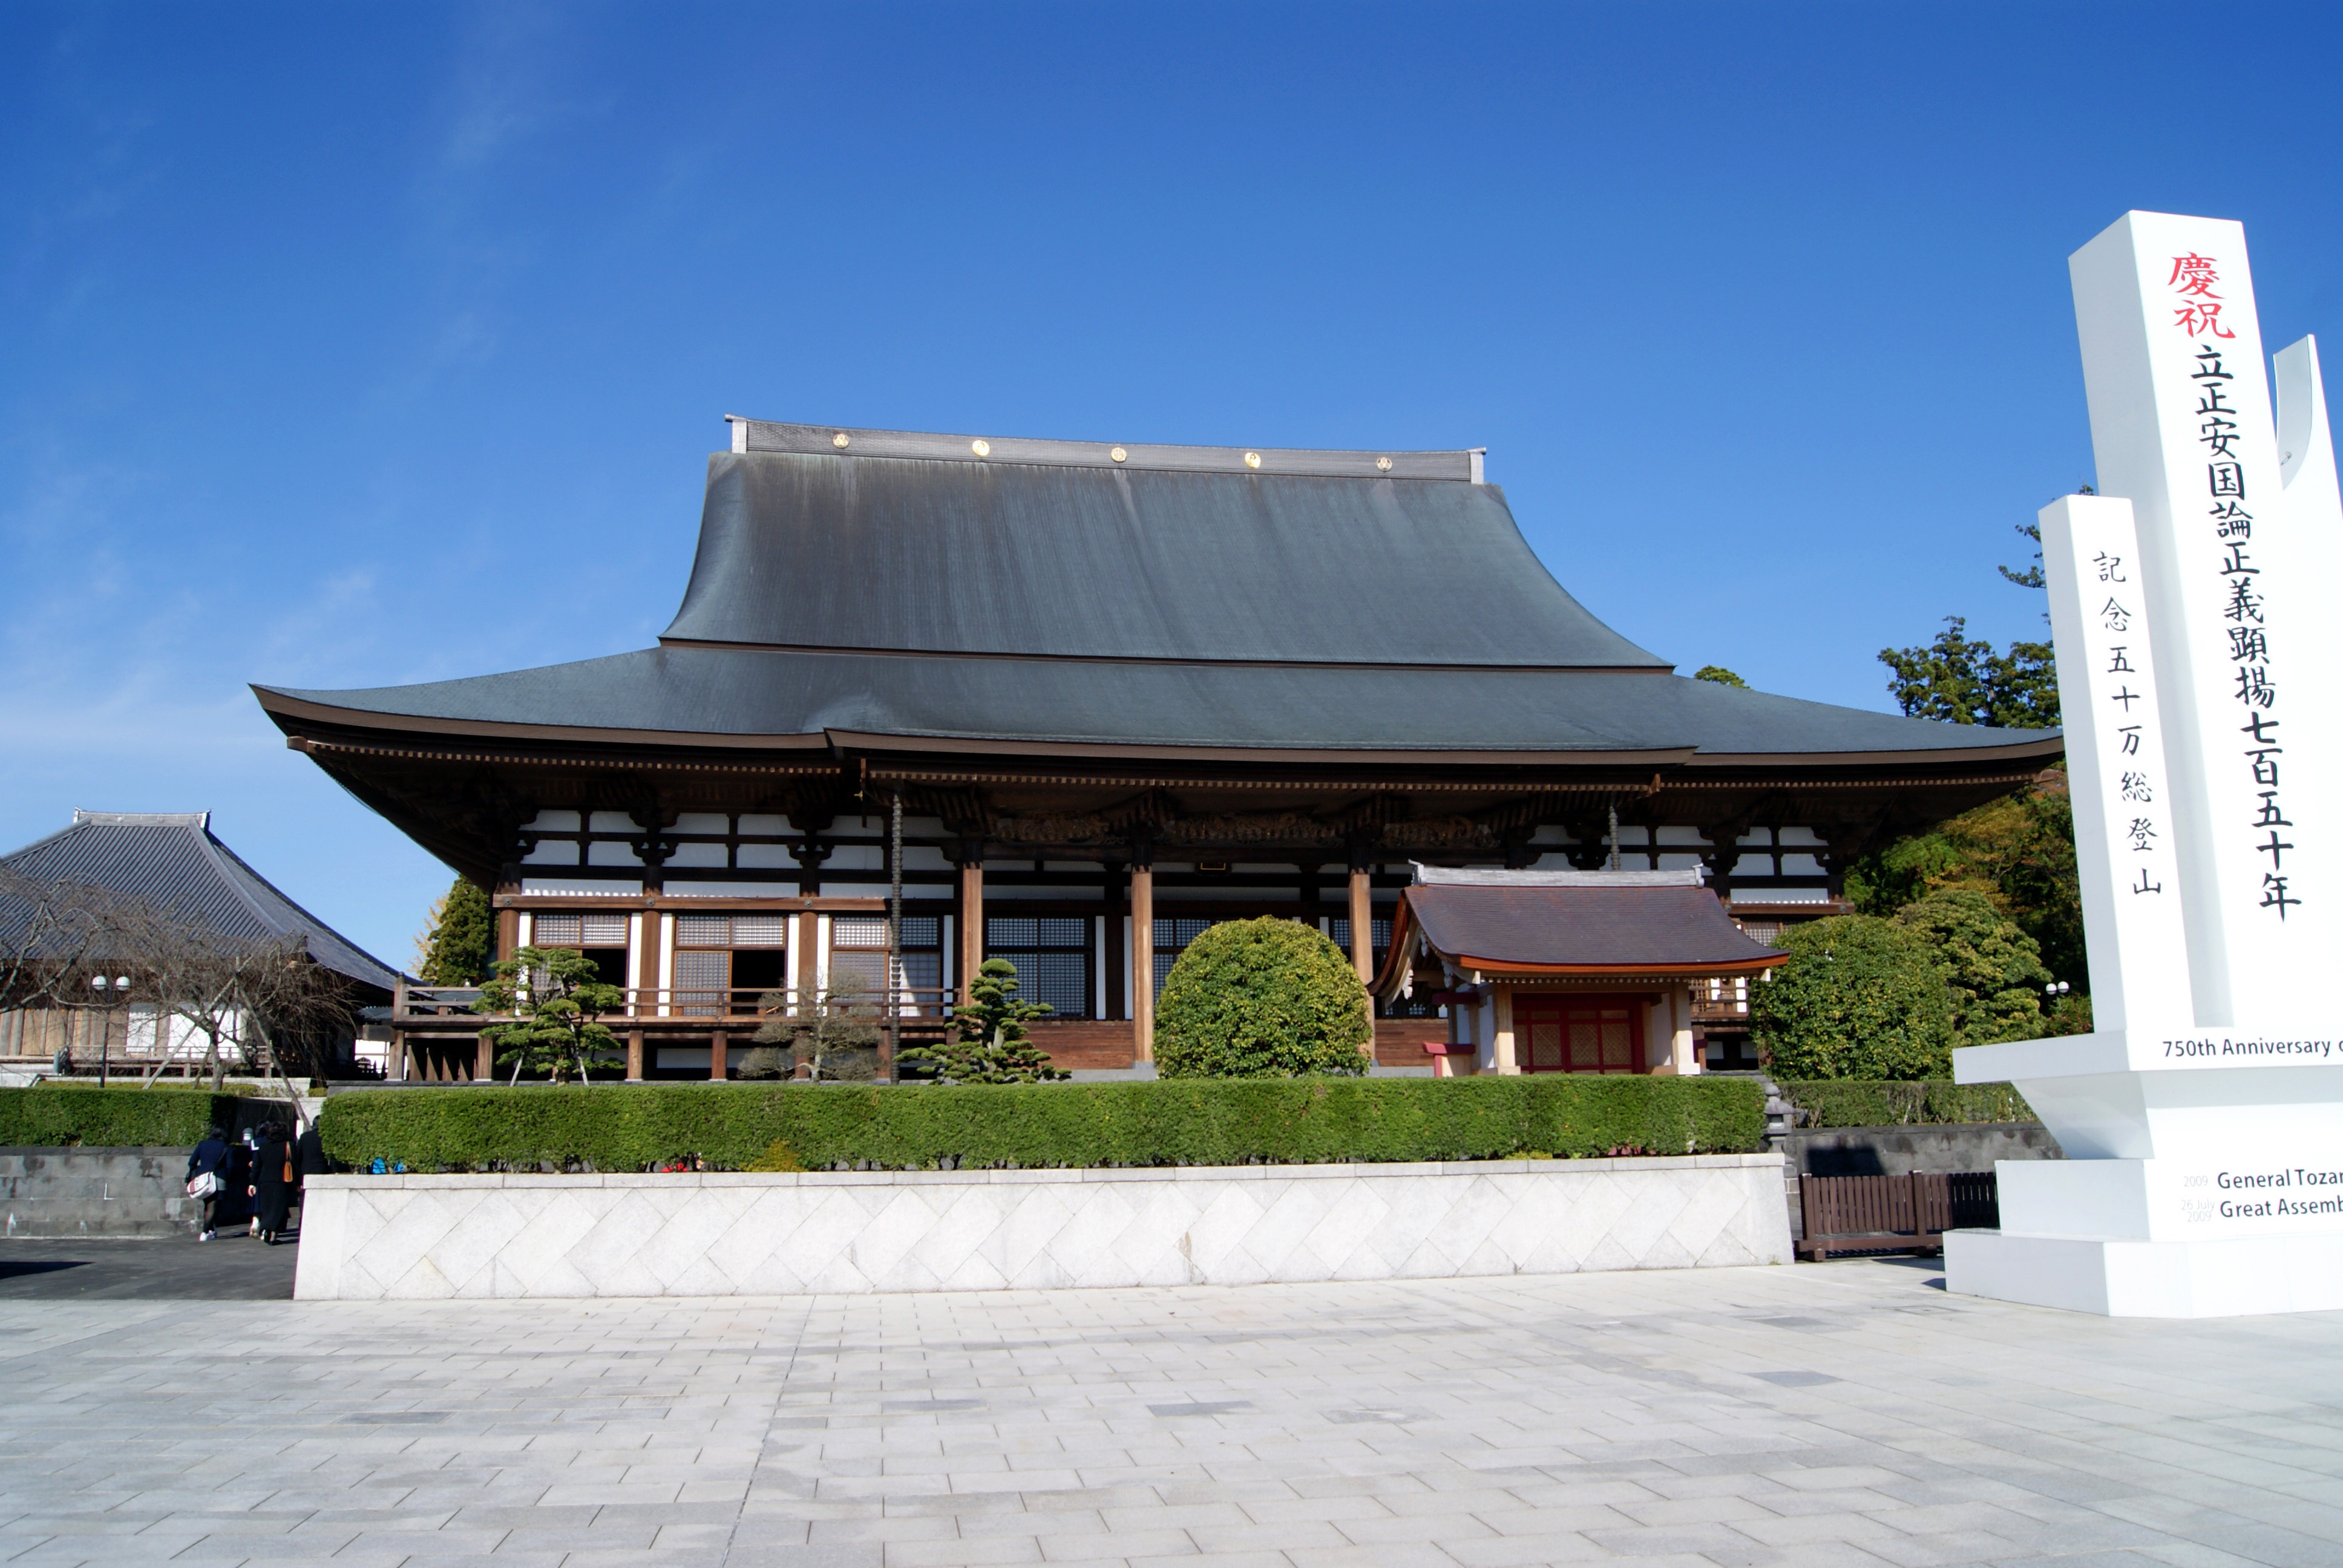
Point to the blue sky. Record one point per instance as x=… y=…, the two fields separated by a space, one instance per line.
x=357 y=345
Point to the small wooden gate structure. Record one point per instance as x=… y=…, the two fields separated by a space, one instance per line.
x=1893 y=1213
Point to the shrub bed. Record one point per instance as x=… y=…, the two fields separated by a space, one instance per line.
x=50 y=1115
x=635 y=1126
x=1872 y=1102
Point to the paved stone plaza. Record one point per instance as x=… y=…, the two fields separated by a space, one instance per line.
x=1843 y=1413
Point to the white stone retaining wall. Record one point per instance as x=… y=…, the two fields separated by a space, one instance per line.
x=423 y=1238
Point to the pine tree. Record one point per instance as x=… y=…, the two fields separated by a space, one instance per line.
x=992 y=1047
x=554 y=998
x=461 y=942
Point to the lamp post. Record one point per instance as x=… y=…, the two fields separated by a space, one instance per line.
x=105 y=998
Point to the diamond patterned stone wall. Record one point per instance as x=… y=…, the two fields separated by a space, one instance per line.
x=382 y=1238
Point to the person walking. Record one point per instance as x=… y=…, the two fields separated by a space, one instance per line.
x=243 y=1171
x=308 y=1160
x=272 y=1182
x=207 y=1178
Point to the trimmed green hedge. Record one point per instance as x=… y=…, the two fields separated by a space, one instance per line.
x=50 y=1115
x=634 y=1127
x=1872 y=1102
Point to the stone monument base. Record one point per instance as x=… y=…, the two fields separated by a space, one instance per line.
x=2232 y=1276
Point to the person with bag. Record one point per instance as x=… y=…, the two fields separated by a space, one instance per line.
x=272 y=1182
x=207 y=1178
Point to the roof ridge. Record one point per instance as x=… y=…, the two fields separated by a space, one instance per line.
x=237 y=863
x=1462 y=464
x=198 y=819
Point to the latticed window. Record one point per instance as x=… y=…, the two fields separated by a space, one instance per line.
x=1053 y=955
x=922 y=953
x=703 y=982
x=858 y=946
x=716 y=955
x=600 y=930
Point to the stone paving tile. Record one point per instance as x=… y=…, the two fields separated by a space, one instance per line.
x=1489 y=1423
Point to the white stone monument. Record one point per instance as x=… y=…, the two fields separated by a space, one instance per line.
x=2203 y=1120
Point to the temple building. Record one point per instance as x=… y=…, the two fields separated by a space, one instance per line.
x=1078 y=701
x=170 y=863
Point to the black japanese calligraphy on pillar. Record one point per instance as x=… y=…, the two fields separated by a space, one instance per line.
x=2142 y=833
x=2244 y=619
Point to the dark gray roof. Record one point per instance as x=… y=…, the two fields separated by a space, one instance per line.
x=171 y=861
x=1586 y=925
x=676 y=692
x=905 y=586
x=799 y=550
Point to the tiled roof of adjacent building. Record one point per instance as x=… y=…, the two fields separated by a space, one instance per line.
x=172 y=860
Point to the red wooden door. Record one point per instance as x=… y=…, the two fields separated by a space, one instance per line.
x=1578 y=1034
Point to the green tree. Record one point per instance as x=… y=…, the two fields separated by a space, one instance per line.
x=1860 y=998
x=2019 y=851
x=2032 y=576
x=1964 y=680
x=1720 y=675
x=1268 y=998
x=992 y=1047
x=554 y=997
x=460 y=942
x=1992 y=969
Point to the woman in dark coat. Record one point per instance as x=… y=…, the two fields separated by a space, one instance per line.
x=210 y=1159
x=272 y=1182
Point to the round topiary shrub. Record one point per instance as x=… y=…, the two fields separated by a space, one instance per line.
x=1261 y=999
x=1860 y=998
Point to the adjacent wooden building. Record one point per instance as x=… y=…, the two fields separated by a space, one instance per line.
x=1111 y=694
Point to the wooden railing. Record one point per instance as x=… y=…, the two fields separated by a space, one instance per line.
x=1721 y=1000
x=734 y=1007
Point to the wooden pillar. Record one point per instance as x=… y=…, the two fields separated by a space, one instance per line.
x=634 y=1056
x=805 y=960
x=1362 y=927
x=971 y=926
x=717 y=1043
x=487 y=1065
x=1508 y=1061
x=1142 y=962
x=508 y=933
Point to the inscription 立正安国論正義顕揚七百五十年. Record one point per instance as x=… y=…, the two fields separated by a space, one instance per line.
x=2244 y=609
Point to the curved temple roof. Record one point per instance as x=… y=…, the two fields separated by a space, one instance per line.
x=799 y=550
x=893 y=588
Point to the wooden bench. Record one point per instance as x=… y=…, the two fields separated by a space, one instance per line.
x=1893 y=1213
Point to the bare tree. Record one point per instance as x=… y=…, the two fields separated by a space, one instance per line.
x=263 y=1002
x=255 y=1002
x=831 y=1034
x=50 y=933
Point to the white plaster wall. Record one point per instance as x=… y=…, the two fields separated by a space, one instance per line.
x=378 y=1238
